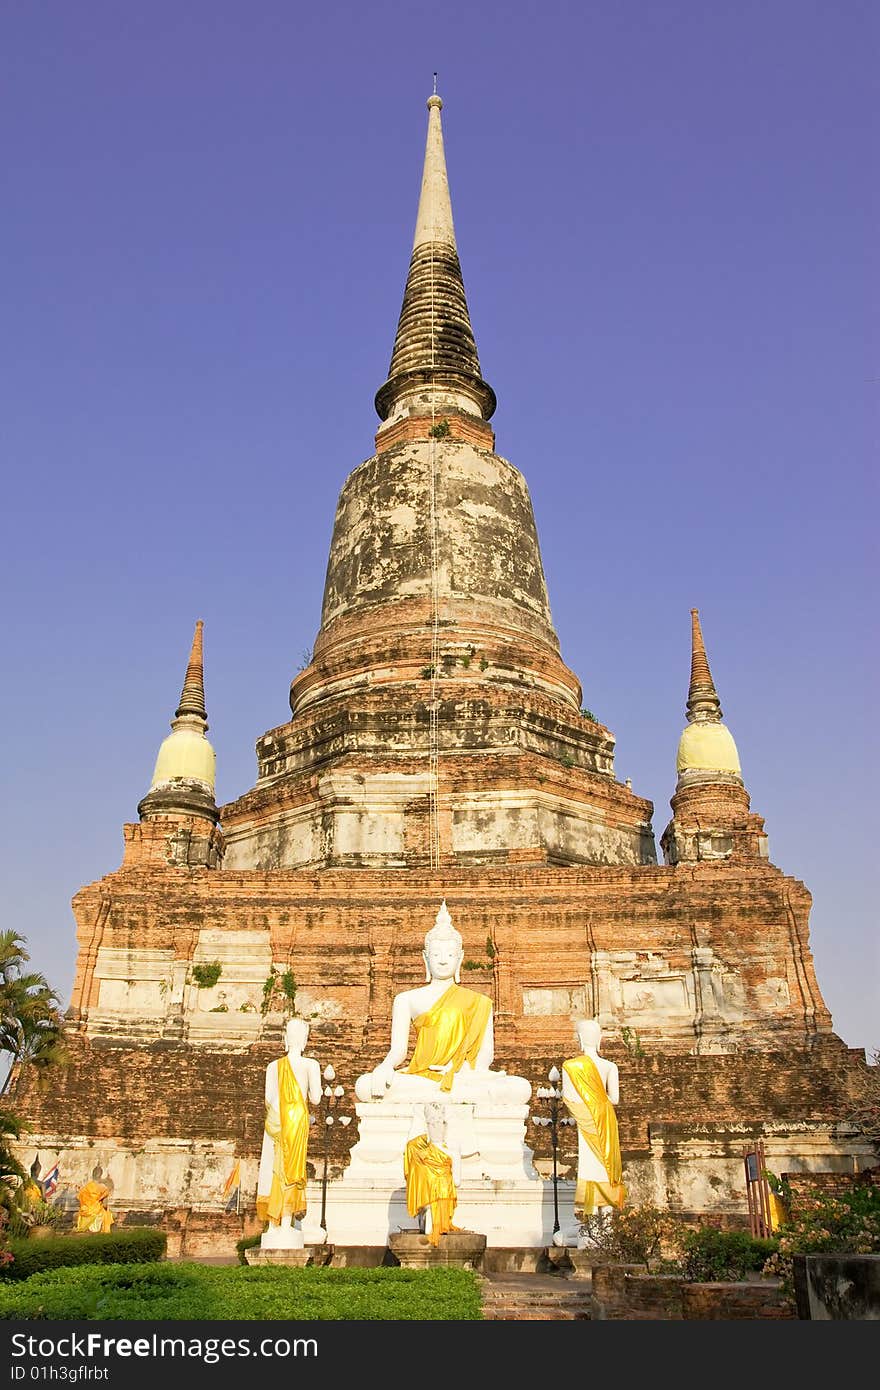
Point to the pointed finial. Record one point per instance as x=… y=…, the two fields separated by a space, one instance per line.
x=434 y=346
x=192 y=696
x=702 y=703
x=435 y=84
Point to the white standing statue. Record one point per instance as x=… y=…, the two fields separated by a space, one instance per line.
x=591 y=1090
x=293 y=1082
x=455 y=1046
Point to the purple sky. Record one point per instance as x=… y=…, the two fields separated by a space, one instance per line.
x=667 y=219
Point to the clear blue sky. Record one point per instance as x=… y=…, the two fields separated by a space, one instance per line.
x=667 y=218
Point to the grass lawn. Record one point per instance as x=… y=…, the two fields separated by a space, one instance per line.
x=166 y=1291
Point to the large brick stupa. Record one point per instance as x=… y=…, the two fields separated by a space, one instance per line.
x=437 y=748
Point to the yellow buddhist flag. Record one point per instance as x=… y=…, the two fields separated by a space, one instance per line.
x=233 y=1185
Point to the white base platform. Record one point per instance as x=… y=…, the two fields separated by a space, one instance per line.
x=501 y=1195
x=507 y=1214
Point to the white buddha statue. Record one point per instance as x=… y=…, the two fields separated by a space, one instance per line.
x=590 y=1091
x=455 y=1047
x=293 y=1083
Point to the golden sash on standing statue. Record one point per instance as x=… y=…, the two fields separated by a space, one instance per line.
x=429 y=1183
x=449 y=1034
x=288 y=1127
x=597 y=1126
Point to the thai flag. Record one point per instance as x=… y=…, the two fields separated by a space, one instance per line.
x=50 y=1182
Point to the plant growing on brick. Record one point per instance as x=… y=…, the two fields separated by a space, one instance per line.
x=207 y=973
x=268 y=991
x=279 y=989
x=632 y=1042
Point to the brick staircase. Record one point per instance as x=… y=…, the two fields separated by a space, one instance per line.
x=534 y=1297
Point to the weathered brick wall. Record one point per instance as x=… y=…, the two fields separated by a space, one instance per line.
x=803 y=1186
x=161 y=1091
x=628 y=1292
x=360 y=932
x=734 y=1302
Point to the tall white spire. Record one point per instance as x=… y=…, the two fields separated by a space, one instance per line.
x=434 y=219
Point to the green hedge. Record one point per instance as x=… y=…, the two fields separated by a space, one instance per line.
x=709 y=1255
x=192 y=1292
x=246 y=1243
x=135 y=1246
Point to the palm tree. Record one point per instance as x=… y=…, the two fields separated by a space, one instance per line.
x=12 y=1175
x=30 y=1018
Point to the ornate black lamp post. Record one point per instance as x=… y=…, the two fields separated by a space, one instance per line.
x=553 y=1094
x=330 y=1099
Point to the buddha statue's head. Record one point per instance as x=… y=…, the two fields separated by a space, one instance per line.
x=296 y=1032
x=444 y=950
x=589 y=1034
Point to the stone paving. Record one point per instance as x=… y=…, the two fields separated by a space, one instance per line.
x=534 y=1297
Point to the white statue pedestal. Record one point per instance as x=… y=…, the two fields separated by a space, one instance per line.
x=269 y=1255
x=456 y=1250
x=500 y=1194
x=282 y=1238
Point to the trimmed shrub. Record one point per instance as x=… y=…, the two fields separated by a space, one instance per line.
x=192 y=1292
x=708 y=1256
x=138 y=1245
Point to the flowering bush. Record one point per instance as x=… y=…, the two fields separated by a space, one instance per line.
x=846 y=1223
x=634 y=1235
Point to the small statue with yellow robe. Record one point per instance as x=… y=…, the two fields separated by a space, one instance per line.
x=432 y=1170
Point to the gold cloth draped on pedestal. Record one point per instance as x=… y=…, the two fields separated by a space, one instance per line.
x=429 y=1183
x=450 y=1033
x=288 y=1128
x=597 y=1126
x=93 y=1215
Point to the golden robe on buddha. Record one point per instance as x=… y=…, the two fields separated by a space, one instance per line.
x=93 y=1215
x=429 y=1183
x=450 y=1033
x=281 y=1187
x=600 y=1184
